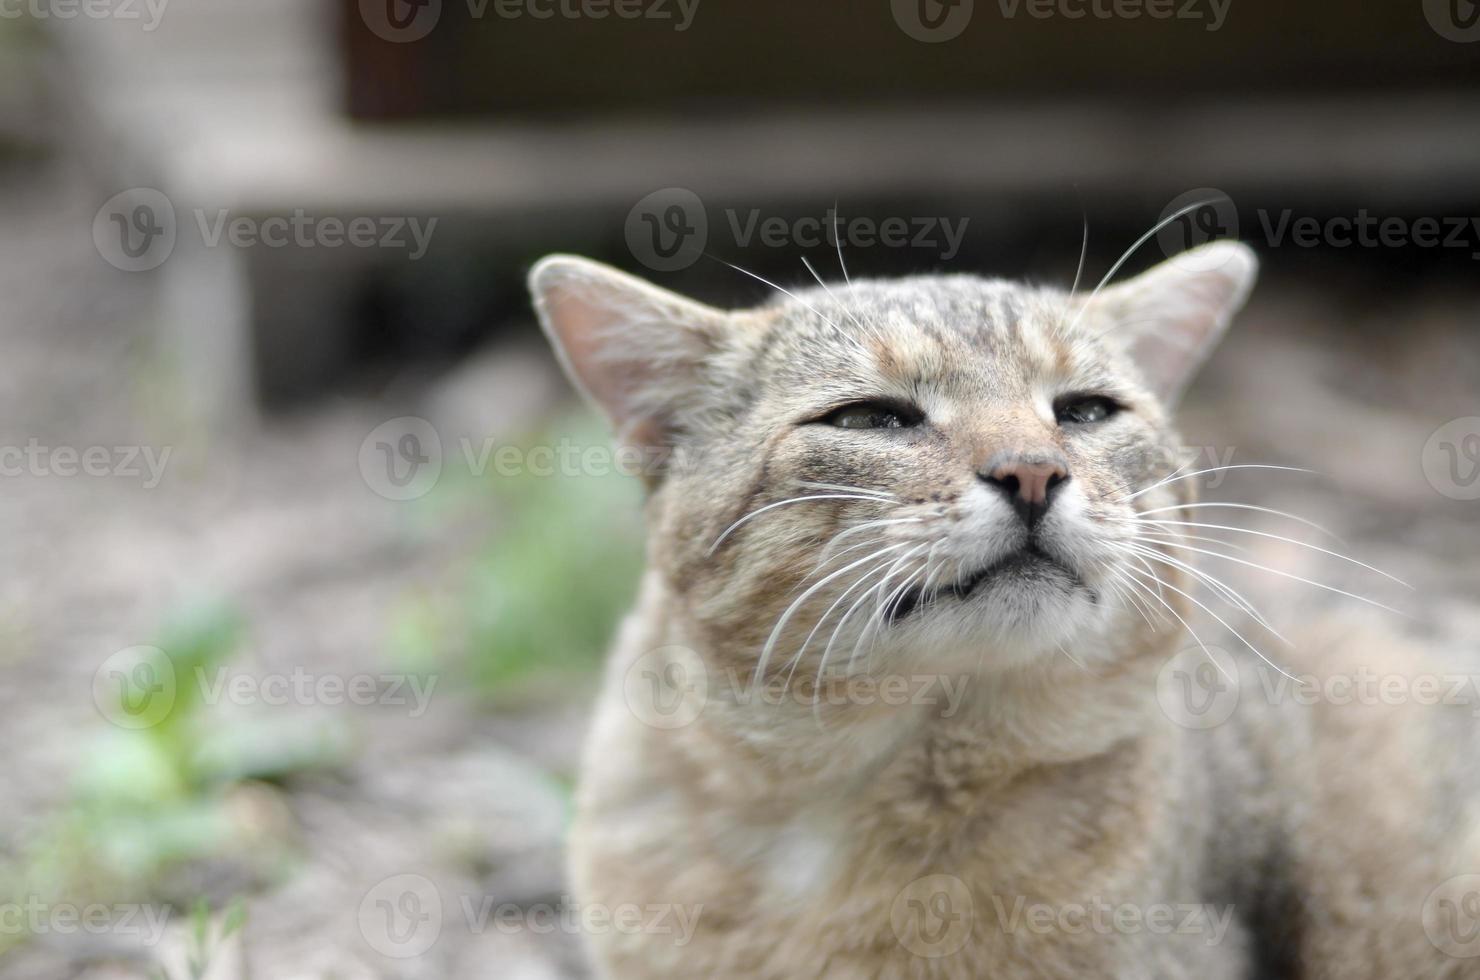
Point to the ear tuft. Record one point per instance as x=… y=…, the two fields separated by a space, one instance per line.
x=1170 y=318
x=635 y=351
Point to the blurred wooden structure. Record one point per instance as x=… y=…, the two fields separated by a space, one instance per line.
x=523 y=134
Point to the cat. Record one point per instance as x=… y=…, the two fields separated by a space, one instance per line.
x=887 y=705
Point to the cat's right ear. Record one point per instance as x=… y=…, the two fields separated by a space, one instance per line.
x=635 y=351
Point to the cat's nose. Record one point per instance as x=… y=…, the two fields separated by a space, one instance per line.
x=1028 y=482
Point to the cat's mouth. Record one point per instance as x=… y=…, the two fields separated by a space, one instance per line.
x=1027 y=563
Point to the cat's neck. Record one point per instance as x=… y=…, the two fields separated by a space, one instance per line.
x=790 y=736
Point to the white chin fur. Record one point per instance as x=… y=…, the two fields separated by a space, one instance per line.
x=1006 y=623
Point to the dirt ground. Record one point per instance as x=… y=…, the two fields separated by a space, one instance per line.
x=281 y=521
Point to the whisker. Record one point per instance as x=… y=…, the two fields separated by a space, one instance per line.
x=877 y=591
x=1083 y=253
x=1071 y=658
x=1224 y=623
x=786 y=616
x=864 y=577
x=838 y=241
x=1297 y=578
x=1223 y=590
x=1279 y=537
x=1132 y=251
x=781 y=290
x=1201 y=505
x=1218 y=469
x=865 y=526
x=1119 y=581
x=1177 y=536
x=833 y=296
x=878 y=620
x=844 y=488
x=1178 y=616
x=781 y=503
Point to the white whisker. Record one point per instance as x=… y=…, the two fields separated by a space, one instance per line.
x=781 y=503
x=1214 y=504
x=1224 y=623
x=786 y=291
x=786 y=616
x=1219 y=469
x=1125 y=256
x=1278 y=537
x=1297 y=578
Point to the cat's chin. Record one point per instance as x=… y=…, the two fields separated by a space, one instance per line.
x=1018 y=614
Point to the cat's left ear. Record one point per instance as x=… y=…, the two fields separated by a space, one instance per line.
x=636 y=351
x=1171 y=317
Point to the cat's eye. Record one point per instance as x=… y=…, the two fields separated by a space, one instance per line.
x=874 y=415
x=1084 y=409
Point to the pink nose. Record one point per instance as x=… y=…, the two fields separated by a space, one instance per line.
x=1028 y=484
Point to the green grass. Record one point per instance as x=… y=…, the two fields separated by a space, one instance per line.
x=543 y=595
x=152 y=800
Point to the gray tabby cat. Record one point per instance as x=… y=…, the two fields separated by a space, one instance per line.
x=887 y=705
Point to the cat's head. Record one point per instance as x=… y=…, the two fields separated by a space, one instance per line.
x=946 y=467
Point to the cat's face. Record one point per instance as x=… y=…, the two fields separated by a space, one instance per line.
x=949 y=471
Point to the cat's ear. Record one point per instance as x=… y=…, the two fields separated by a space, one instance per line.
x=1171 y=317
x=636 y=351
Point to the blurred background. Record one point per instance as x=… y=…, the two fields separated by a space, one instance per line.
x=313 y=554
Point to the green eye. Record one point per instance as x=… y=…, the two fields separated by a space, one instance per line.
x=874 y=415
x=1085 y=409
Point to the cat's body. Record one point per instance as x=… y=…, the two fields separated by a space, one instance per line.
x=941 y=753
